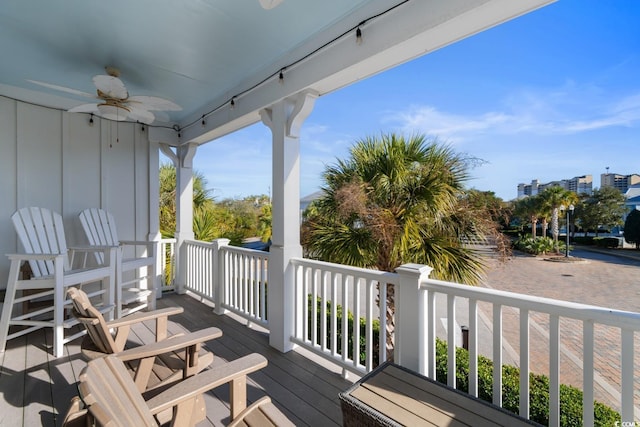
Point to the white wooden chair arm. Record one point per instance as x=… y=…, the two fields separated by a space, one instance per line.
x=92 y=248
x=33 y=257
x=170 y=344
x=143 y=316
x=207 y=380
x=137 y=242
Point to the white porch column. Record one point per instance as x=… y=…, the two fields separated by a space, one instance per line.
x=410 y=323
x=285 y=119
x=183 y=161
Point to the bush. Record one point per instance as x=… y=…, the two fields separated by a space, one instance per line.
x=570 y=397
x=606 y=242
x=350 y=320
x=583 y=240
x=537 y=246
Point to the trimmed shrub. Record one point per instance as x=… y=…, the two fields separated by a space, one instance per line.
x=350 y=320
x=570 y=397
x=537 y=246
x=606 y=242
x=583 y=240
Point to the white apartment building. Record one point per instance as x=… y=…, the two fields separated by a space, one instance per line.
x=579 y=184
x=620 y=182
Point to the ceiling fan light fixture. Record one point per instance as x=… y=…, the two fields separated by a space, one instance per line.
x=113 y=112
x=269 y=4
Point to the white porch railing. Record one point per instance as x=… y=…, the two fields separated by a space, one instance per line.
x=167 y=260
x=245 y=283
x=626 y=322
x=338 y=288
x=235 y=279
x=237 y=285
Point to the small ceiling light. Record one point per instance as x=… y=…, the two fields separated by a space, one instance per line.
x=91 y=120
x=142 y=128
x=269 y=4
x=281 y=76
x=204 y=123
x=233 y=102
x=358 y=36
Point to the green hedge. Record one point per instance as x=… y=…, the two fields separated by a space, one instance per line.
x=582 y=240
x=350 y=320
x=606 y=242
x=570 y=397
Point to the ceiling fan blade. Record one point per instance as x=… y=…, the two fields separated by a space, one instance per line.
x=63 y=89
x=111 y=86
x=140 y=114
x=85 y=108
x=154 y=103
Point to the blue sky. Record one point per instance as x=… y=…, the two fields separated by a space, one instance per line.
x=550 y=95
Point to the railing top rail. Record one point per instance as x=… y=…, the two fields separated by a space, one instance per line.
x=168 y=240
x=238 y=249
x=199 y=243
x=607 y=316
x=380 y=276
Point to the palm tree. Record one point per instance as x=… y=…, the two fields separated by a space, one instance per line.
x=530 y=208
x=553 y=198
x=395 y=201
x=202 y=201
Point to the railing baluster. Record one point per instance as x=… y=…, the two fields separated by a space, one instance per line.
x=473 y=347
x=323 y=311
x=314 y=302
x=524 y=363
x=382 y=297
x=627 y=375
x=356 y=321
x=554 y=371
x=497 y=354
x=587 y=373
x=369 y=326
x=451 y=340
x=345 y=319
x=334 y=314
x=431 y=326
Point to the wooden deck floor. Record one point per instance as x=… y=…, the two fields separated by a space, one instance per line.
x=35 y=388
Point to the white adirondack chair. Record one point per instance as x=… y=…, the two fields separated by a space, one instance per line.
x=134 y=290
x=41 y=233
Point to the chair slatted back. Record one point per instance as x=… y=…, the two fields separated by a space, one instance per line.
x=41 y=231
x=111 y=395
x=100 y=229
x=93 y=321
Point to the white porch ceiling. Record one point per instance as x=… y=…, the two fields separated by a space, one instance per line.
x=201 y=54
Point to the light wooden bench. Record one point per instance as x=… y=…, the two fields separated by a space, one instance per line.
x=394 y=396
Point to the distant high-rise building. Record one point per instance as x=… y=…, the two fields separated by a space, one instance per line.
x=579 y=184
x=619 y=182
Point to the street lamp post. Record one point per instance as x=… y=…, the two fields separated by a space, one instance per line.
x=569 y=211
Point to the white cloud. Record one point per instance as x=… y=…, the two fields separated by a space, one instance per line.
x=568 y=110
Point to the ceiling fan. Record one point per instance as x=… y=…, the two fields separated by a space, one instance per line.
x=114 y=100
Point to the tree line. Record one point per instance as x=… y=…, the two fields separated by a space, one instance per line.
x=601 y=210
x=233 y=219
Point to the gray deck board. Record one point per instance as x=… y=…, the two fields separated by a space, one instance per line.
x=35 y=387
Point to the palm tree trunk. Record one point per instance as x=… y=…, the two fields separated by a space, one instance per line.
x=554 y=228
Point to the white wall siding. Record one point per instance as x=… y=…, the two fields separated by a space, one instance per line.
x=56 y=160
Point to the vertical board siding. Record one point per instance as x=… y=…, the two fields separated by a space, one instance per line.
x=56 y=160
